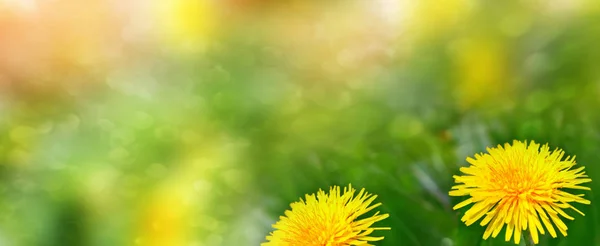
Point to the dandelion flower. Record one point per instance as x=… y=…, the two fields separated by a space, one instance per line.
x=328 y=220
x=520 y=186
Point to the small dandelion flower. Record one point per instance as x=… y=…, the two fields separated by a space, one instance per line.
x=520 y=186
x=328 y=220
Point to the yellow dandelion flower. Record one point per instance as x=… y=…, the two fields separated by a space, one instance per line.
x=328 y=220
x=520 y=186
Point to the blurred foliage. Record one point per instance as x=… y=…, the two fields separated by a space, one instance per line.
x=154 y=127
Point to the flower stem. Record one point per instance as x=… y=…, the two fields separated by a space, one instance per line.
x=527 y=238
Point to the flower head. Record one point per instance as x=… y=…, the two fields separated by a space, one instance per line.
x=328 y=220
x=520 y=186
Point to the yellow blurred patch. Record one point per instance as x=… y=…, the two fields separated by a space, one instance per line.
x=590 y=7
x=188 y=24
x=173 y=212
x=430 y=18
x=165 y=221
x=481 y=69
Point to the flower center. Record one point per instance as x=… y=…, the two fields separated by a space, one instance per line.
x=521 y=190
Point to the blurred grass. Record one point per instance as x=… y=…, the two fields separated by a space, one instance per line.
x=168 y=145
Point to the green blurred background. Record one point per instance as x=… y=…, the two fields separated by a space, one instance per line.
x=197 y=122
